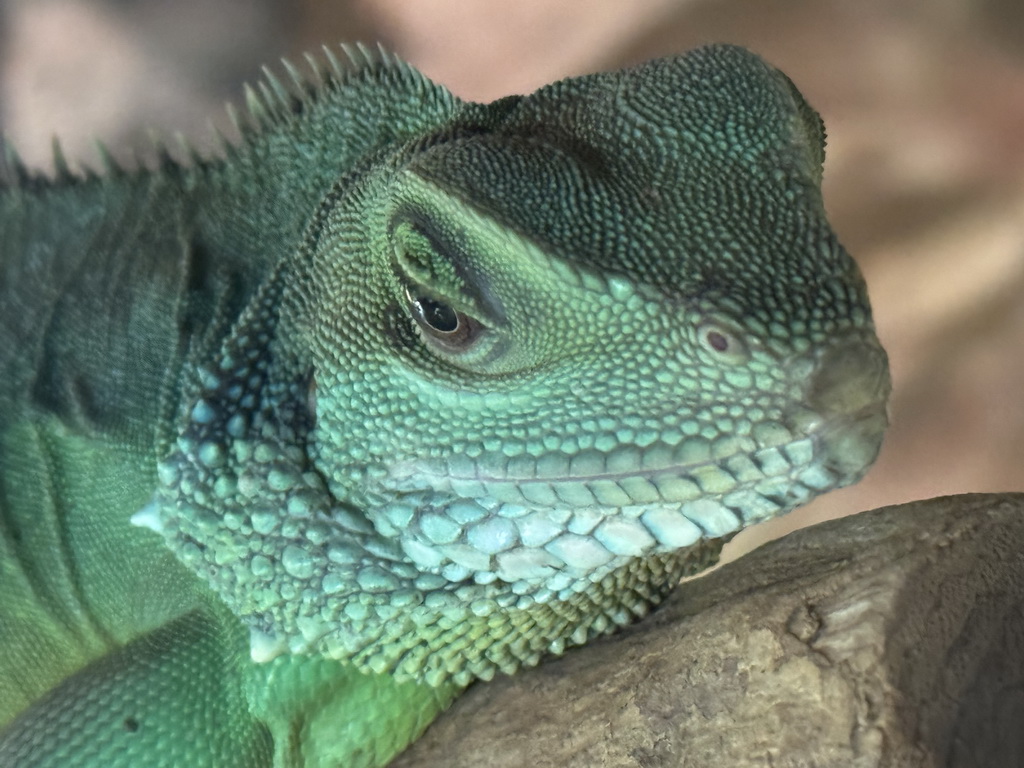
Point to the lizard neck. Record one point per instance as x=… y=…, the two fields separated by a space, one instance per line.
x=106 y=291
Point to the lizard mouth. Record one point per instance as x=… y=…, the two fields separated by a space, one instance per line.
x=531 y=520
x=680 y=472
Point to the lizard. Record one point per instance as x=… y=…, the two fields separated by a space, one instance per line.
x=398 y=392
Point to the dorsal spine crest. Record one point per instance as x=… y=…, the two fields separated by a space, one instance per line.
x=269 y=104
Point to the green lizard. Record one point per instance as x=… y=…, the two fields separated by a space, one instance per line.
x=399 y=393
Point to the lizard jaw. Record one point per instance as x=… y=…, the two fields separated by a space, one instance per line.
x=555 y=528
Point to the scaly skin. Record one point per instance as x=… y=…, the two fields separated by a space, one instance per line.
x=403 y=392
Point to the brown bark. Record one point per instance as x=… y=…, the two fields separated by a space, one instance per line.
x=890 y=638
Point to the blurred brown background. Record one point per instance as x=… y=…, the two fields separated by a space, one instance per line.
x=923 y=100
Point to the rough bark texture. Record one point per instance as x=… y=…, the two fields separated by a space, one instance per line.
x=890 y=638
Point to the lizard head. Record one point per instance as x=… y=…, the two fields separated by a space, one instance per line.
x=567 y=332
x=610 y=318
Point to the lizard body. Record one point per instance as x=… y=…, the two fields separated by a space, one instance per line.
x=402 y=392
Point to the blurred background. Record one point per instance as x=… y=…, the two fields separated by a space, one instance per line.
x=924 y=181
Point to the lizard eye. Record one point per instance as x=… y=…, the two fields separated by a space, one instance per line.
x=442 y=323
x=439 y=317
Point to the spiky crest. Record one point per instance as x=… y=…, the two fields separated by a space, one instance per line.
x=13 y=172
x=270 y=104
x=62 y=171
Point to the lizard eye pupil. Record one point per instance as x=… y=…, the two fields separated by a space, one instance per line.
x=442 y=324
x=718 y=341
x=439 y=317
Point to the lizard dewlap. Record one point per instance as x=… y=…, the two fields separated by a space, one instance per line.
x=402 y=392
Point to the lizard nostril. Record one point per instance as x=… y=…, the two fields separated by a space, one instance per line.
x=724 y=343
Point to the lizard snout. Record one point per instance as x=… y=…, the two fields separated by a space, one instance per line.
x=845 y=403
